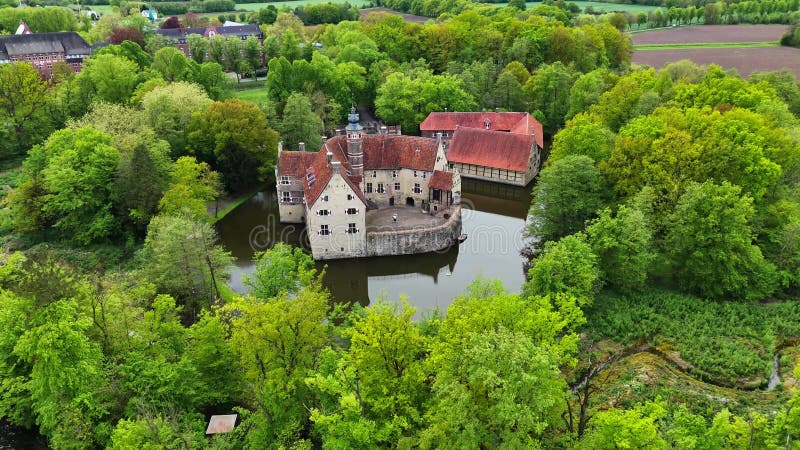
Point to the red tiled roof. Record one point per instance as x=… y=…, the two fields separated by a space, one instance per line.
x=323 y=172
x=294 y=164
x=497 y=149
x=383 y=151
x=514 y=122
x=441 y=180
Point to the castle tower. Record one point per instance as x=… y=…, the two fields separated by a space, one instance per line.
x=354 y=152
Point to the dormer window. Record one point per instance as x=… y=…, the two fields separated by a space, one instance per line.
x=311 y=178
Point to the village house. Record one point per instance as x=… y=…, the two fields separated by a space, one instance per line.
x=43 y=50
x=180 y=35
x=503 y=147
x=371 y=194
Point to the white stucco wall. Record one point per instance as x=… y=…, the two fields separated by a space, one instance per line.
x=339 y=243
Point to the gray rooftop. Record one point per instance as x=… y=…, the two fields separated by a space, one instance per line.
x=69 y=43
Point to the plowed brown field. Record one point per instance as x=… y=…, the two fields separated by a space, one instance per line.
x=712 y=34
x=745 y=60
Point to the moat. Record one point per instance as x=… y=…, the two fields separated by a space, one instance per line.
x=493 y=217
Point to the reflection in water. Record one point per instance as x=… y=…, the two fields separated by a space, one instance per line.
x=493 y=217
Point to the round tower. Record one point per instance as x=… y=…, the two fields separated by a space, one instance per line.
x=355 y=154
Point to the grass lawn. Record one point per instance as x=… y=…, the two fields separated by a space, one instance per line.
x=704 y=45
x=601 y=6
x=293 y=4
x=254 y=95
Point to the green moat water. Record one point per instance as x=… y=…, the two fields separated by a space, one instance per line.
x=493 y=217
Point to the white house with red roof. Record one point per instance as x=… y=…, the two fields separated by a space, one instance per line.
x=503 y=147
x=370 y=195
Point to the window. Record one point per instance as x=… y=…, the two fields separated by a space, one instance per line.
x=381 y=190
x=323 y=212
x=286 y=197
x=417 y=189
x=451 y=166
x=369 y=188
x=284 y=179
x=424 y=174
x=374 y=174
x=397 y=186
x=351 y=211
x=415 y=173
x=323 y=230
x=350 y=196
x=324 y=198
x=351 y=228
x=394 y=174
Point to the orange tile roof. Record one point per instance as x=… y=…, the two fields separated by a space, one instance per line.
x=383 y=151
x=441 y=180
x=380 y=152
x=514 y=122
x=496 y=149
x=294 y=163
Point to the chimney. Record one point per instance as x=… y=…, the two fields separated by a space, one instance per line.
x=324 y=139
x=280 y=148
x=335 y=165
x=301 y=146
x=339 y=132
x=384 y=129
x=330 y=156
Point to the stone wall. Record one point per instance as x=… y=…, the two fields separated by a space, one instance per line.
x=419 y=240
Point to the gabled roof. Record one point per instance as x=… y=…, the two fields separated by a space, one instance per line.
x=294 y=164
x=68 y=42
x=514 y=122
x=496 y=149
x=383 y=151
x=441 y=180
x=322 y=173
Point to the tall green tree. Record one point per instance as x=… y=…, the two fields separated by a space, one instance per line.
x=24 y=98
x=111 y=78
x=569 y=191
x=495 y=369
x=300 y=123
x=233 y=137
x=407 y=100
x=710 y=244
x=192 y=187
x=568 y=266
x=68 y=186
x=169 y=109
x=277 y=343
x=624 y=247
x=280 y=269
x=548 y=91
x=377 y=385
x=181 y=257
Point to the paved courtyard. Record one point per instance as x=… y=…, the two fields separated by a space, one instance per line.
x=407 y=218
